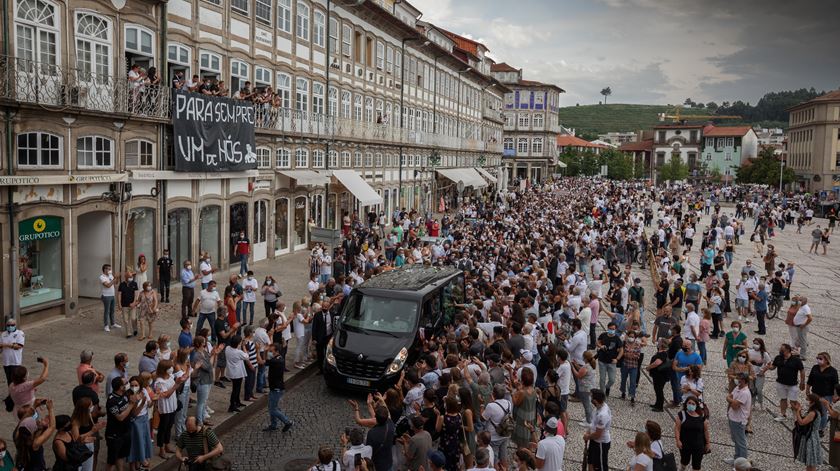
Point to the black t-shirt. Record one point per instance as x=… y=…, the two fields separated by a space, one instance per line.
x=778 y=287
x=674 y=347
x=275 y=373
x=788 y=370
x=677 y=294
x=381 y=440
x=115 y=406
x=609 y=351
x=164 y=268
x=221 y=325
x=81 y=391
x=822 y=382
x=660 y=356
x=127 y=291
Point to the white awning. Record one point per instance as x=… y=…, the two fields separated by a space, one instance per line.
x=351 y=180
x=561 y=164
x=486 y=175
x=468 y=176
x=306 y=177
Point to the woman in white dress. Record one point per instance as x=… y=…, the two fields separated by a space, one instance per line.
x=141 y=277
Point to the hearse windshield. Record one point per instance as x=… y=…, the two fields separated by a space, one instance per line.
x=365 y=313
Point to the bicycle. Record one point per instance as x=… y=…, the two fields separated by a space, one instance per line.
x=774 y=305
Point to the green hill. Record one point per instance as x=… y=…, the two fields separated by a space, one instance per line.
x=599 y=119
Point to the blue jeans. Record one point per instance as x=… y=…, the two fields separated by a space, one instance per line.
x=245 y=307
x=675 y=387
x=631 y=373
x=325 y=278
x=243 y=264
x=109 y=305
x=210 y=317
x=701 y=348
x=274 y=411
x=202 y=394
x=728 y=257
x=738 y=432
x=181 y=415
x=260 y=378
x=824 y=416
x=606 y=374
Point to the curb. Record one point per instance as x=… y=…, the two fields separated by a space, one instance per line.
x=260 y=405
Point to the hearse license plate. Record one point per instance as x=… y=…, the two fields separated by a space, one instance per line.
x=358 y=382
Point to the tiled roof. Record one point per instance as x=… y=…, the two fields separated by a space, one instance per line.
x=638 y=146
x=532 y=83
x=830 y=96
x=461 y=42
x=574 y=141
x=502 y=67
x=712 y=131
x=678 y=126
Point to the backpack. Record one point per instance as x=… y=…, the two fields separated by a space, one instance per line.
x=505 y=426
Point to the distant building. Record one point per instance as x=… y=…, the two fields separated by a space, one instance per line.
x=725 y=147
x=770 y=137
x=604 y=143
x=531 y=112
x=641 y=151
x=576 y=144
x=677 y=141
x=813 y=143
x=618 y=138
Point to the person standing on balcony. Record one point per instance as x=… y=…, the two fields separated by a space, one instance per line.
x=246 y=93
x=192 y=85
x=242 y=249
x=221 y=89
x=178 y=81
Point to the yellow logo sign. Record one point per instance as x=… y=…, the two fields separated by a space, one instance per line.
x=39 y=225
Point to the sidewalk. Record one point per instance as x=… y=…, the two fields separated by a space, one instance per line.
x=62 y=340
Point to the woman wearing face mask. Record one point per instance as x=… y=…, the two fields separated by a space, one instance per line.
x=630 y=365
x=164 y=351
x=147 y=310
x=740 y=365
x=691 y=384
x=759 y=358
x=270 y=291
x=734 y=342
x=83 y=428
x=62 y=439
x=141 y=275
x=806 y=439
x=691 y=433
x=821 y=381
x=22 y=389
x=141 y=438
x=165 y=387
x=30 y=435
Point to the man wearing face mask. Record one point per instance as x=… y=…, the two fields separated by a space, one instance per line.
x=276 y=367
x=120 y=405
x=206 y=271
x=106 y=282
x=126 y=298
x=610 y=351
x=322 y=332
x=241 y=250
x=682 y=360
x=120 y=371
x=207 y=304
x=187 y=289
x=12 y=341
x=789 y=368
x=250 y=286
x=164 y=264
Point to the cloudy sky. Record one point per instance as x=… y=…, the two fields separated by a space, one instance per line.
x=656 y=51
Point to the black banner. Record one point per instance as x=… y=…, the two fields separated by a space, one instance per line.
x=212 y=134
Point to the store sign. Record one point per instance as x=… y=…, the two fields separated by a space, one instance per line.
x=213 y=134
x=61 y=179
x=40 y=228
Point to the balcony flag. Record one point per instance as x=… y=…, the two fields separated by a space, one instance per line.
x=212 y=134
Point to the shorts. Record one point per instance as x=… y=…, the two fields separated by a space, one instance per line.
x=118 y=448
x=791 y=393
x=693 y=456
x=564 y=402
x=221 y=359
x=598 y=456
x=500 y=449
x=742 y=302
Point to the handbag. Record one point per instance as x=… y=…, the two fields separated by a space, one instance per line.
x=668 y=462
x=216 y=463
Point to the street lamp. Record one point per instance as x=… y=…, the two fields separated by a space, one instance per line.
x=781 y=173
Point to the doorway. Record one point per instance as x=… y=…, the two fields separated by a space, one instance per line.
x=260 y=240
x=238 y=223
x=95 y=234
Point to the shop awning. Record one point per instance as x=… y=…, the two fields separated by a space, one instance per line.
x=468 y=176
x=561 y=164
x=363 y=192
x=486 y=174
x=306 y=177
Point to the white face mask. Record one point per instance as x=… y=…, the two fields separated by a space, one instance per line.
x=135 y=389
x=756 y=347
x=170 y=371
x=742 y=360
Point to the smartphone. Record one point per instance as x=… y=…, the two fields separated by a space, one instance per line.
x=357 y=460
x=39 y=359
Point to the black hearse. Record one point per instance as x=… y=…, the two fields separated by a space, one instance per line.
x=383 y=322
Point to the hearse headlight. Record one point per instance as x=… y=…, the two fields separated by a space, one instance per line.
x=398 y=362
x=329 y=355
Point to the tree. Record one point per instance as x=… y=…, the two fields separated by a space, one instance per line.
x=689 y=102
x=764 y=169
x=607 y=91
x=619 y=165
x=712 y=105
x=673 y=170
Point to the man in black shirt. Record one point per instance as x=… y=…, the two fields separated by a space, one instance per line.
x=610 y=349
x=118 y=429
x=126 y=292
x=276 y=363
x=224 y=332
x=164 y=265
x=381 y=439
x=789 y=367
x=677 y=300
x=86 y=390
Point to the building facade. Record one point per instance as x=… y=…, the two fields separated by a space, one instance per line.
x=726 y=147
x=813 y=143
x=374 y=112
x=619 y=138
x=531 y=127
x=566 y=143
x=677 y=141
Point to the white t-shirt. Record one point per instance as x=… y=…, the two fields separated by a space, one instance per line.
x=12 y=357
x=551 y=449
x=313 y=286
x=643 y=460
x=564 y=373
x=602 y=420
x=692 y=320
x=287 y=332
x=106 y=291
x=326 y=267
x=208 y=301
x=236 y=359
x=494 y=413
x=250 y=296
x=205 y=266
x=802 y=315
x=299 y=325
x=349 y=458
x=166 y=404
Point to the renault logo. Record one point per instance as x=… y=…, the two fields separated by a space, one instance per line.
x=361 y=357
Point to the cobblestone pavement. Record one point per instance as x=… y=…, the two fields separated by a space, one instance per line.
x=321 y=415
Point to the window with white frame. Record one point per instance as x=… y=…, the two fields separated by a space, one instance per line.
x=334 y=32
x=537 y=145
x=524 y=120
x=357 y=160
x=380 y=55
x=319 y=29
x=369 y=109
x=730 y=142
x=301 y=158
x=510 y=118
x=282 y=158
x=710 y=142
x=284 y=15
x=345 y=104
x=720 y=142
x=357 y=107
x=333 y=159
x=389 y=59
x=410 y=160
x=263 y=157
x=332 y=102
x=262 y=77
x=94 y=152
x=508 y=143
x=36 y=34
x=238 y=75
x=398 y=64
x=729 y=156
x=39 y=149
x=346 y=39
x=380 y=109
x=395 y=118
x=139 y=40
x=317 y=98
x=522 y=145
x=93 y=47
x=318 y=159
x=214 y=2
x=180 y=55
x=345 y=159
x=369 y=159
x=378 y=161
x=302 y=94
x=262 y=11
x=709 y=157
x=240 y=6
x=210 y=64
x=284 y=89
x=139 y=153
x=302 y=21
x=538 y=120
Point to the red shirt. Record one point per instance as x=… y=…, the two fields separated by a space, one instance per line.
x=435 y=230
x=242 y=247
